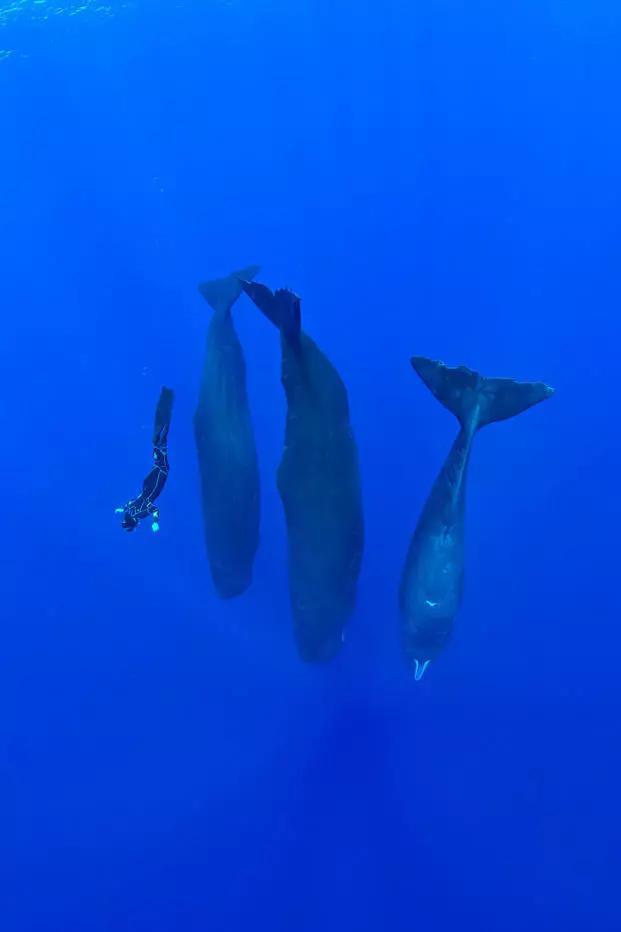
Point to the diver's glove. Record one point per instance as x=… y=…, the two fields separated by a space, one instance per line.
x=129 y=522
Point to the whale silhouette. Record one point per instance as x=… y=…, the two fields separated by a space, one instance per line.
x=227 y=455
x=432 y=579
x=318 y=482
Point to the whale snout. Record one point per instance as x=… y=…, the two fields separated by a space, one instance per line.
x=230 y=582
x=419 y=669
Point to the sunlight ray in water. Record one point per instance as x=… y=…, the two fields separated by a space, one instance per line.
x=39 y=10
x=18 y=14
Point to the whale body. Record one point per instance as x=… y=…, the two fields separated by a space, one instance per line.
x=318 y=482
x=227 y=455
x=433 y=575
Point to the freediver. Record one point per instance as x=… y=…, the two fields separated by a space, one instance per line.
x=143 y=506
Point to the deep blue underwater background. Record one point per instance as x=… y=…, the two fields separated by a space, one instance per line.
x=434 y=177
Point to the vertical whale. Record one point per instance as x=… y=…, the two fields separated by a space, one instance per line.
x=318 y=482
x=432 y=579
x=225 y=445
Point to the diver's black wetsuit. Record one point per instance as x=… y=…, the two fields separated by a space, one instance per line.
x=142 y=506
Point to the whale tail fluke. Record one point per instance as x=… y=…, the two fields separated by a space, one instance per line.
x=504 y=398
x=471 y=396
x=222 y=293
x=282 y=308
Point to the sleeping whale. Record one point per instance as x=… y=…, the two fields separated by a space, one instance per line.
x=227 y=456
x=318 y=482
x=432 y=578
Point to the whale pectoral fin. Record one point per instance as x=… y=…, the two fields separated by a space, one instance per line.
x=419 y=670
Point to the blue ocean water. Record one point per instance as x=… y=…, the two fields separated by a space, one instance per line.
x=438 y=178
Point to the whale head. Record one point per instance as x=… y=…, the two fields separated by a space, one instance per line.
x=230 y=581
x=319 y=647
x=419 y=668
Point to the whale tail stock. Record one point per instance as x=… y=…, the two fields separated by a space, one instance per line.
x=470 y=395
x=282 y=308
x=222 y=293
